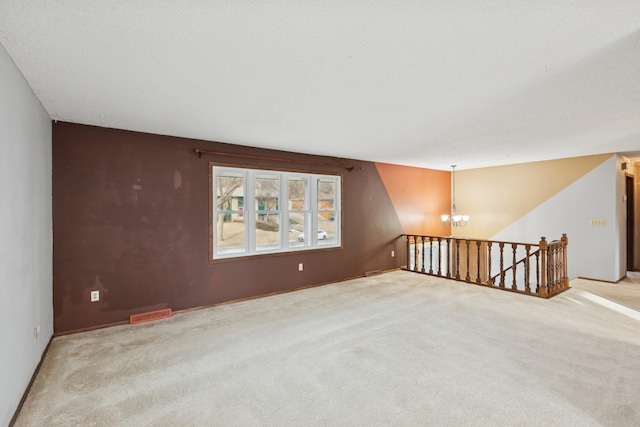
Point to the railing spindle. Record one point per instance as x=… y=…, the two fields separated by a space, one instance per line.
x=422 y=265
x=478 y=281
x=457 y=259
x=514 y=285
x=489 y=280
x=501 y=284
x=543 y=266
x=430 y=255
x=448 y=258
x=527 y=287
x=559 y=267
x=415 y=253
x=468 y=278
x=537 y=272
x=552 y=264
x=439 y=259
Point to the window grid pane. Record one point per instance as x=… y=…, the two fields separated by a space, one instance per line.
x=283 y=212
x=326 y=194
x=298 y=221
x=229 y=189
x=267 y=192
x=267 y=231
x=326 y=228
x=230 y=235
x=298 y=193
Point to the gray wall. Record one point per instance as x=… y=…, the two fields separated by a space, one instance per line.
x=25 y=234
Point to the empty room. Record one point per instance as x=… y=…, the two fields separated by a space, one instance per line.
x=319 y=213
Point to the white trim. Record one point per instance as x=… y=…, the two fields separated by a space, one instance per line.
x=311 y=212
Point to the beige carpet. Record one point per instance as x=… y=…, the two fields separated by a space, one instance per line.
x=626 y=292
x=398 y=349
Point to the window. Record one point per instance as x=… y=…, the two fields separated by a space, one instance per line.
x=261 y=211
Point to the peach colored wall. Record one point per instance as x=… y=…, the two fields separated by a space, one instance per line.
x=496 y=197
x=419 y=197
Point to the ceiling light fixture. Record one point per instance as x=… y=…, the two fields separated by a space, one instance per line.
x=454 y=219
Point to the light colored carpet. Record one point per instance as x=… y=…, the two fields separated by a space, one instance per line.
x=397 y=349
x=626 y=292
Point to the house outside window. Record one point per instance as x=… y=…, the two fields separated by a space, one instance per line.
x=257 y=212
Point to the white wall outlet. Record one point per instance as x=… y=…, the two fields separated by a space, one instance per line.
x=35 y=334
x=95 y=296
x=300 y=267
x=393 y=253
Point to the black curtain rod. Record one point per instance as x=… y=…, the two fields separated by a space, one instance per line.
x=200 y=152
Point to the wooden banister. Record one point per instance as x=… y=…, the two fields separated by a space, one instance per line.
x=471 y=260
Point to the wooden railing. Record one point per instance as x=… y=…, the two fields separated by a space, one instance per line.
x=534 y=269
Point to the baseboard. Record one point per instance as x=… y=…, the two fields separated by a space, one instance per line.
x=301 y=288
x=33 y=378
x=90 y=328
x=599 y=280
x=186 y=310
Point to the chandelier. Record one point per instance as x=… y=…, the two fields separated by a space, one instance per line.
x=454 y=219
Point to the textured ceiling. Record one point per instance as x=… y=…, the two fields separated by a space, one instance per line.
x=423 y=83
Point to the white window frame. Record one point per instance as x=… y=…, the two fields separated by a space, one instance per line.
x=310 y=210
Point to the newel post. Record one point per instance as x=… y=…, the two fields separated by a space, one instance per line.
x=543 y=266
x=565 y=269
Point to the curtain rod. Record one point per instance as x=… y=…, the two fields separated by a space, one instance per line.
x=200 y=152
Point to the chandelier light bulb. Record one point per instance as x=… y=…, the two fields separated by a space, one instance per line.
x=454 y=219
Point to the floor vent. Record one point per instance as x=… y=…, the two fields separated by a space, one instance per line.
x=149 y=316
x=372 y=273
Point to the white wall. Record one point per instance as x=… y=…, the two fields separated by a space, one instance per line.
x=26 y=299
x=596 y=252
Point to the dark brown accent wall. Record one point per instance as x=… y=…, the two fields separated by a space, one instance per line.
x=130 y=217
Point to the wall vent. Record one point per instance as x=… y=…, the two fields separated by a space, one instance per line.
x=372 y=273
x=149 y=316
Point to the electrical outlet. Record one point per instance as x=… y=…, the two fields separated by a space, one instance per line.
x=393 y=254
x=95 y=296
x=300 y=267
x=35 y=334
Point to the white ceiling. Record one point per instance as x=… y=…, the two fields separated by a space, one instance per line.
x=415 y=82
